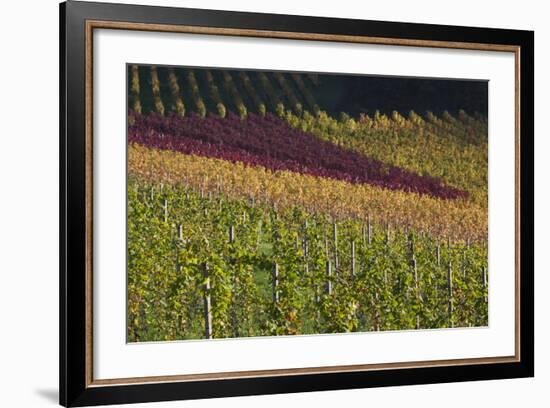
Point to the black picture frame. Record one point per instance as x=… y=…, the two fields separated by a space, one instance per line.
x=75 y=389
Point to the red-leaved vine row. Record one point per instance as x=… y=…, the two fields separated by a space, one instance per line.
x=270 y=142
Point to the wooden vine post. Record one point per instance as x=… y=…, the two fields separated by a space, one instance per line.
x=335 y=239
x=275 y=280
x=233 y=312
x=450 y=292
x=415 y=275
x=207 y=303
x=438 y=263
x=231 y=234
x=369 y=230
x=178 y=244
x=484 y=282
x=352 y=260
x=376 y=314
x=411 y=244
x=329 y=278
x=463 y=266
x=386 y=244
x=416 y=287
x=305 y=249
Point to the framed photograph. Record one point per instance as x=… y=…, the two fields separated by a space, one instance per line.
x=256 y=204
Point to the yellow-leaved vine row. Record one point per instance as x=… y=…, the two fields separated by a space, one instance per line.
x=455 y=150
x=457 y=220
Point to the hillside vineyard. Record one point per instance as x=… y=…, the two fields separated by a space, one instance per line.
x=280 y=203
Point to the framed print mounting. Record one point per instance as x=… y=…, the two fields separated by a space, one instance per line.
x=255 y=203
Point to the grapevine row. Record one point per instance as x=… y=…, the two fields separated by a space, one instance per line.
x=234 y=93
x=177 y=101
x=195 y=94
x=155 y=84
x=270 y=142
x=215 y=95
x=273 y=271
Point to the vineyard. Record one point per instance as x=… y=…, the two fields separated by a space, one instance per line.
x=254 y=210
